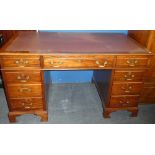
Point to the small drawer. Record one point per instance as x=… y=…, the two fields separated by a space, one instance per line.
x=126 y=88
x=13 y=77
x=123 y=101
x=27 y=90
x=129 y=76
x=132 y=62
x=20 y=61
x=78 y=62
x=26 y=104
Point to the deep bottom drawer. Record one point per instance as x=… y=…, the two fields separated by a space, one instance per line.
x=126 y=88
x=123 y=101
x=26 y=104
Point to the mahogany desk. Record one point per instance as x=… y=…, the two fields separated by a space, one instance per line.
x=119 y=64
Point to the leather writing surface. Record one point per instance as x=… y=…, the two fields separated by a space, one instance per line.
x=41 y=42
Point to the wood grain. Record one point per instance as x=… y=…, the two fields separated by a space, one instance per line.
x=128 y=75
x=78 y=61
x=114 y=57
x=20 y=61
x=126 y=88
x=27 y=90
x=22 y=77
x=123 y=101
x=147 y=39
x=26 y=104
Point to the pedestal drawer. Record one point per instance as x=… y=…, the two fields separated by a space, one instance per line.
x=22 y=77
x=16 y=91
x=129 y=75
x=26 y=104
x=123 y=101
x=126 y=88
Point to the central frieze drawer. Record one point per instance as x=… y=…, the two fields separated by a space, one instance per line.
x=78 y=61
x=12 y=77
x=17 y=91
x=126 y=88
x=20 y=61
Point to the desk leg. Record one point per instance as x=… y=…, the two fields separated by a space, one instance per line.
x=42 y=114
x=134 y=112
x=108 y=111
x=12 y=117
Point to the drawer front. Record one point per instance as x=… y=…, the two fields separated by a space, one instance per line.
x=17 y=91
x=26 y=104
x=78 y=62
x=126 y=89
x=129 y=76
x=20 y=61
x=132 y=62
x=123 y=101
x=12 y=77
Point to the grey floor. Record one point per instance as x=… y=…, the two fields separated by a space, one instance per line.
x=78 y=104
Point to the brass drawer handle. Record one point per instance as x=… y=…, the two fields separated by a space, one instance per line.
x=26 y=103
x=124 y=102
x=132 y=62
x=23 y=78
x=27 y=107
x=129 y=76
x=22 y=62
x=102 y=65
x=56 y=64
x=24 y=90
x=127 y=90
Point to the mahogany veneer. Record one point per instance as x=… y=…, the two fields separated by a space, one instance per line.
x=147 y=39
x=118 y=63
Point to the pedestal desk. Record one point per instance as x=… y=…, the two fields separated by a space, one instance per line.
x=118 y=62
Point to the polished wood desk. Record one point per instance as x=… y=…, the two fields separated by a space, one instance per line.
x=119 y=64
